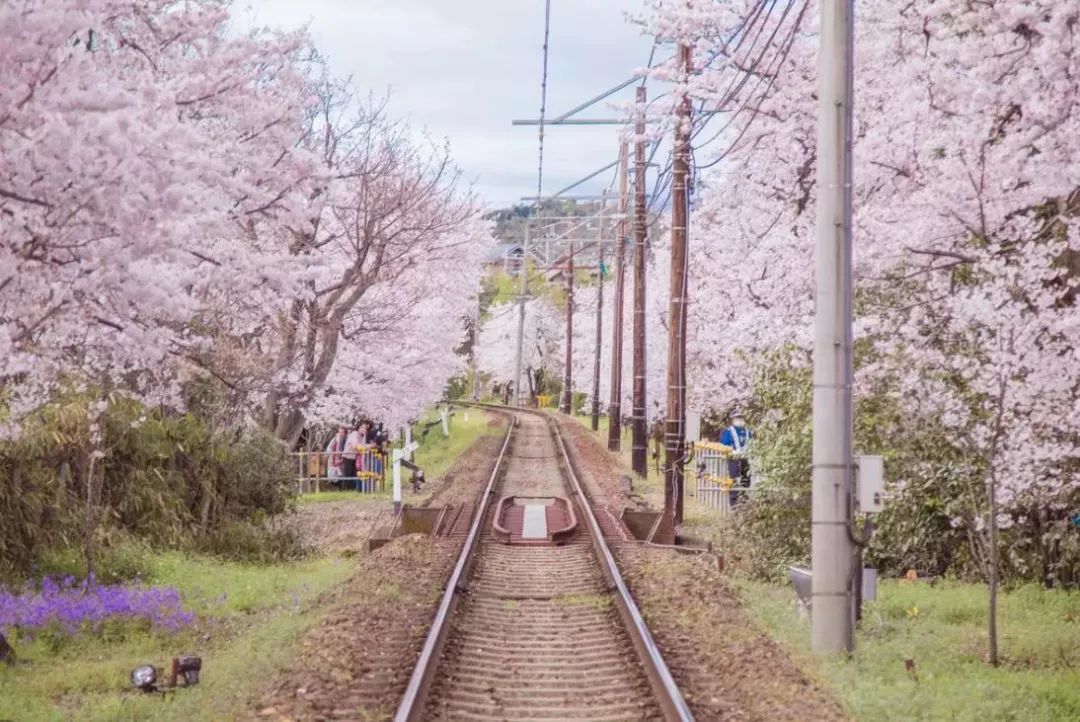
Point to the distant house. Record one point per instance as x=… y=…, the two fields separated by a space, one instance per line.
x=504 y=255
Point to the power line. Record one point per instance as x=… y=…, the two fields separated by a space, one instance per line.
x=756 y=66
x=543 y=102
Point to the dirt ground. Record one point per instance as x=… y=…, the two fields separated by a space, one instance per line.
x=354 y=664
x=459 y=484
x=337 y=527
x=726 y=666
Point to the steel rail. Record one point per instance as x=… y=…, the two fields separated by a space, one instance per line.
x=665 y=689
x=409 y=709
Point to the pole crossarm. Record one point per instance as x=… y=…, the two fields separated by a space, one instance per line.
x=579 y=121
x=587 y=197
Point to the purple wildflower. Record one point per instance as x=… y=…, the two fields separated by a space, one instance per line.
x=70 y=605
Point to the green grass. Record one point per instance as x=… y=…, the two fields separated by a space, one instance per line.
x=437 y=453
x=602 y=432
x=327 y=496
x=943 y=629
x=249 y=616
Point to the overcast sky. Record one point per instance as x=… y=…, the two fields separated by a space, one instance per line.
x=464 y=69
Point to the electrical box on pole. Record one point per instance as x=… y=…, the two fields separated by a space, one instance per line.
x=870 y=483
x=693 y=426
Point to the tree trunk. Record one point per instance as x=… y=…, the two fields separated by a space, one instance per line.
x=289 y=427
x=993 y=635
x=89 y=517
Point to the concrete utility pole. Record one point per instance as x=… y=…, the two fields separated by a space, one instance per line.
x=615 y=403
x=675 y=428
x=472 y=355
x=832 y=552
x=638 y=455
x=524 y=271
x=568 y=391
x=595 y=421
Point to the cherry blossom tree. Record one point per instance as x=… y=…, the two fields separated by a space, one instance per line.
x=140 y=141
x=966 y=150
x=390 y=229
x=179 y=200
x=542 y=346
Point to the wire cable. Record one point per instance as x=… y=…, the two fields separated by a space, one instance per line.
x=543 y=104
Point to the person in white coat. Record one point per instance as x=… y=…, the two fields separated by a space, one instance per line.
x=334 y=451
x=348 y=457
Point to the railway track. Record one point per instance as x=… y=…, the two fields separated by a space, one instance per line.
x=536 y=622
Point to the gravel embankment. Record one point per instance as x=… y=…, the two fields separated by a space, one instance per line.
x=355 y=663
x=727 y=667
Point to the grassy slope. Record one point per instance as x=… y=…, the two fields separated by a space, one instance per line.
x=250 y=616
x=650 y=488
x=436 y=453
x=943 y=629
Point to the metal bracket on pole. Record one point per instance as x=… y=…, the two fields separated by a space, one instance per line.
x=566 y=118
x=579 y=121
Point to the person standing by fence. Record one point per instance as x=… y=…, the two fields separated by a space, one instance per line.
x=737 y=438
x=364 y=456
x=348 y=456
x=334 y=450
x=380 y=438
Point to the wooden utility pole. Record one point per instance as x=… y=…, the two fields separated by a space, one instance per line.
x=595 y=422
x=568 y=392
x=639 y=456
x=675 y=429
x=615 y=404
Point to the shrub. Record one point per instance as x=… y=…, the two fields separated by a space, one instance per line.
x=249 y=542
x=162 y=480
x=765 y=535
x=116 y=562
x=578 y=402
x=931 y=481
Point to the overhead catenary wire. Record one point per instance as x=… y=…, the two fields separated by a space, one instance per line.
x=750 y=29
x=536 y=203
x=543 y=103
x=747 y=66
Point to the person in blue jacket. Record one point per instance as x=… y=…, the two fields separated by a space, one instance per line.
x=737 y=437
